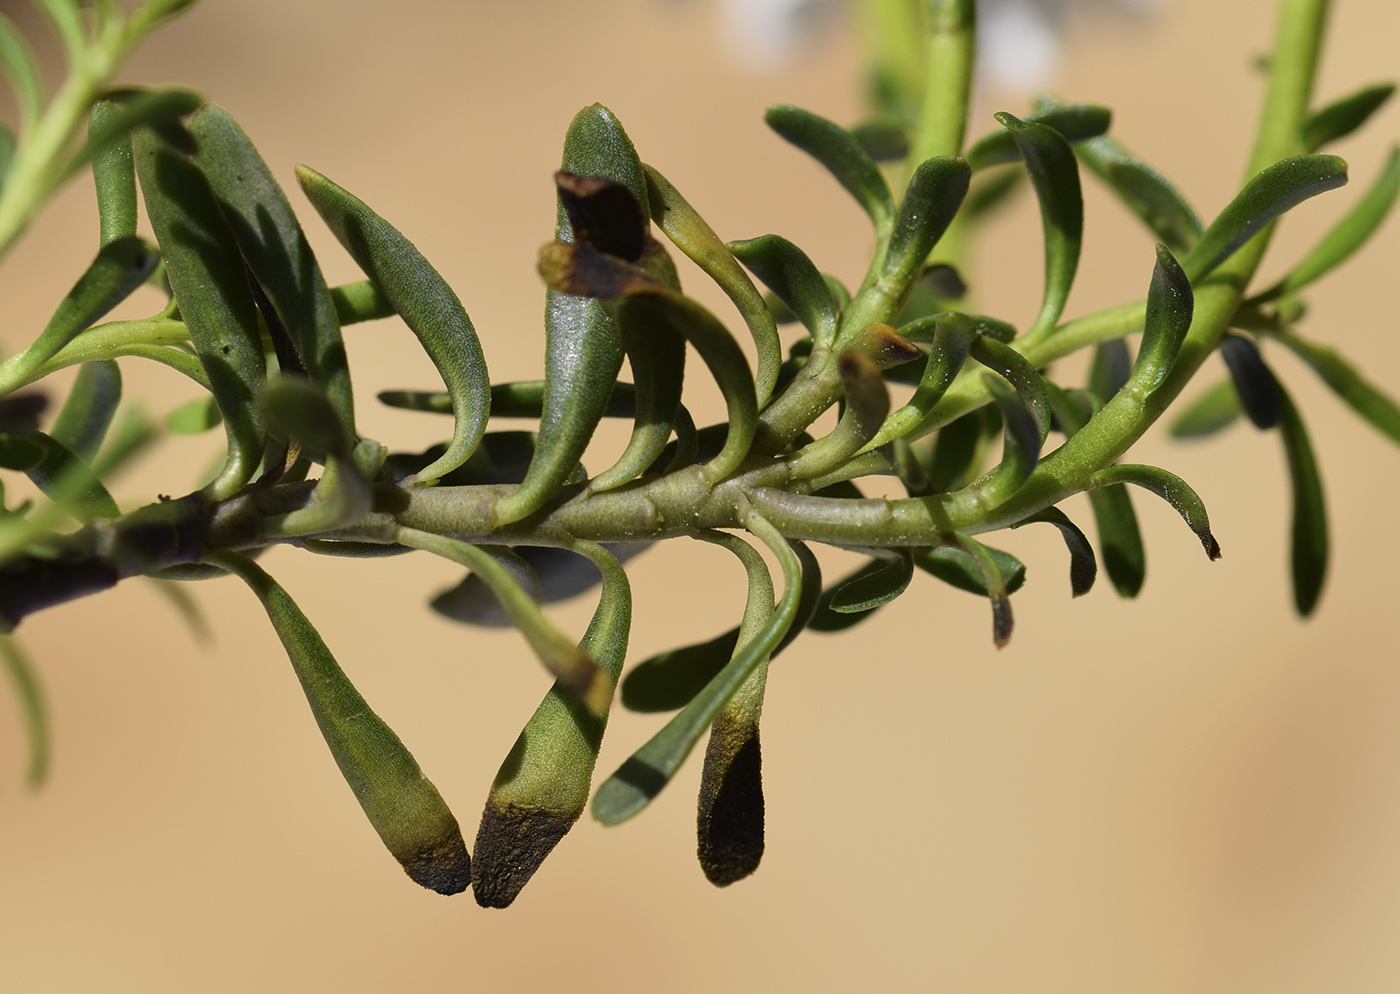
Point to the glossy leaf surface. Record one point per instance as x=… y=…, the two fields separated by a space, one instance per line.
x=841 y=154
x=785 y=269
x=1076 y=122
x=1170 y=305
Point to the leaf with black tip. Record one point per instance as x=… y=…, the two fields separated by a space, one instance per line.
x=1255 y=384
x=1172 y=489
x=1076 y=122
x=1347 y=383
x=1083 y=566
x=1214 y=410
x=402 y=804
x=543 y=785
x=995 y=584
x=1348 y=235
x=651 y=767
x=425 y=302
x=1054 y=173
x=952 y=337
x=1309 y=542
x=1170 y=305
x=29 y=696
x=1341 y=117
x=789 y=273
x=841 y=154
x=276 y=251
x=689 y=232
x=1276 y=189
x=87 y=413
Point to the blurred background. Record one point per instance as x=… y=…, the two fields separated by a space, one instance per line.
x=1193 y=791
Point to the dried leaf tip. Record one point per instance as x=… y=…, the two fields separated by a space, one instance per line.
x=511 y=844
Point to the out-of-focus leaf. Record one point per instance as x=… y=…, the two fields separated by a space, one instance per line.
x=29 y=696
x=841 y=154
x=194 y=417
x=1309 y=533
x=19 y=65
x=1120 y=539
x=68 y=481
x=1342 y=377
x=1255 y=385
x=1213 y=410
x=88 y=412
x=1110 y=370
x=1083 y=566
x=1341 y=117
x=1147 y=193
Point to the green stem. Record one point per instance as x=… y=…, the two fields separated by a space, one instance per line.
x=950 y=44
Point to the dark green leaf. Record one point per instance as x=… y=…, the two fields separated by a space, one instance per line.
x=1309 y=533
x=931 y=201
x=1213 y=410
x=401 y=803
x=1342 y=377
x=1170 y=304
x=1111 y=368
x=473 y=602
x=959 y=448
x=1255 y=385
x=1276 y=189
x=69 y=481
x=1075 y=122
x=114 y=175
x=87 y=414
x=1022 y=375
x=883 y=139
x=875 y=588
x=1340 y=118
x=785 y=269
x=841 y=154
x=276 y=251
x=425 y=302
x=957 y=568
x=1146 y=192
x=1120 y=539
x=1055 y=176
x=995 y=584
x=207 y=274
x=159 y=110
x=30 y=697
x=1083 y=567
x=20 y=453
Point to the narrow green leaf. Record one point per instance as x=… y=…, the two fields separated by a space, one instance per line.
x=114 y=175
x=931 y=201
x=362 y=301
x=651 y=767
x=671 y=679
x=211 y=285
x=1215 y=409
x=194 y=417
x=884 y=139
x=1147 y=193
x=1255 y=385
x=1309 y=533
x=876 y=588
x=571 y=666
x=841 y=154
x=1120 y=539
x=402 y=804
x=1110 y=370
x=959 y=448
x=543 y=785
x=1075 y=122
x=1342 y=377
x=1170 y=304
x=502 y=457
x=120 y=267
x=995 y=584
x=953 y=335
x=159 y=110
x=689 y=233
x=1083 y=567
x=867 y=403
x=88 y=412
x=1172 y=489
x=1349 y=235
x=68 y=481
x=20 y=67
x=424 y=301
x=473 y=602
x=276 y=251
x=785 y=269
x=1021 y=445
x=1022 y=375
x=20 y=453
x=29 y=695
x=1276 y=189
x=957 y=568
x=7 y=154
x=186 y=607
x=1055 y=175
x=1341 y=117
x=301 y=409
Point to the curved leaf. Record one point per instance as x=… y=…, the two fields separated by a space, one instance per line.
x=1215 y=409
x=1309 y=532
x=867 y=403
x=424 y=301
x=1022 y=375
x=1076 y=122
x=995 y=584
x=1341 y=117
x=785 y=269
x=931 y=201
x=114 y=176
x=841 y=154
x=1172 y=489
x=88 y=412
x=1150 y=195
x=1276 y=189
x=1120 y=539
x=30 y=697
x=1170 y=305
x=959 y=569
x=1346 y=383
x=1083 y=567
x=1255 y=385
x=875 y=588
x=401 y=803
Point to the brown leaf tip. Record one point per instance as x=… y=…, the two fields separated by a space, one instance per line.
x=445 y=867
x=603 y=214
x=1212 y=547
x=730 y=819
x=888 y=347
x=511 y=844
x=1002 y=621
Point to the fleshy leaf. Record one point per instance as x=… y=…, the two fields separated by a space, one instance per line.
x=785 y=269
x=1215 y=409
x=957 y=568
x=1083 y=567
x=1276 y=189
x=1170 y=304
x=875 y=588
x=1255 y=385
x=1309 y=532
x=402 y=804
x=1022 y=375
x=1150 y=195
x=841 y=154
x=1341 y=117
x=1172 y=489
x=931 y=201
x=1342 y=377
x=1120 y=539
x=424 y=301
x=995 y=584
x=1076 y=122
x=114 y=176
x=88 y=412
x=69 y=481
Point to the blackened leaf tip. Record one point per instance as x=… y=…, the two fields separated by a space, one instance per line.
x=511 y=844
x=445 y=868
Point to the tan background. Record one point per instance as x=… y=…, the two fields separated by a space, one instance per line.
x=1191 y=792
